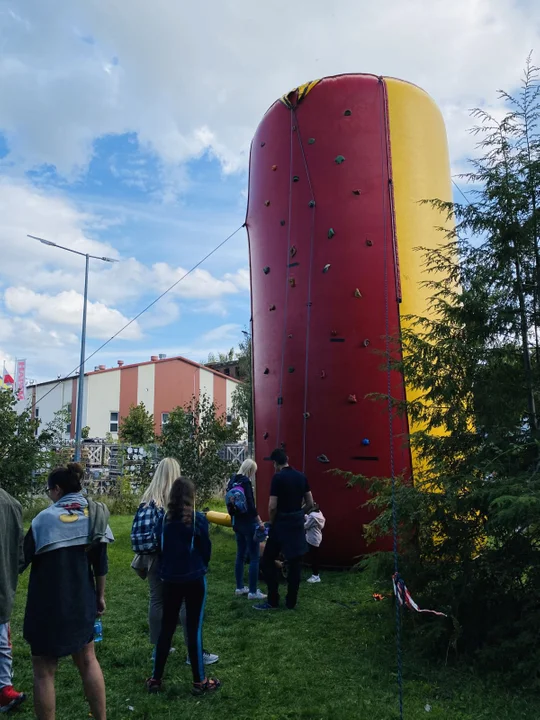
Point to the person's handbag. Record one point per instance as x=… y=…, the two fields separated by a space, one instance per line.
x=142 y=564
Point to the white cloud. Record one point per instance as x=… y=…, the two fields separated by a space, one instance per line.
x=66 y=309
x=222 y=333
x=146 y=69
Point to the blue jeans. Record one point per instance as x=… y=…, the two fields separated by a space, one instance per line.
x=247 y=545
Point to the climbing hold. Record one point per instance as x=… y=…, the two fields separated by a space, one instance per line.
x=334 y=333
x=266 y=270
x=365 y=441
x=366 y=342
x=282 y=223
x=312 y=203
x=272 y=307
x=294 y=127
x=326 y=268
x=267 y=203
x=289 y=336
x=347 y=113
x=331 y=233
x=306 y=415
x=323 y=459
x=295 y=178
x=357 y=293
x=352 y=399
x=356 y=192
x=311 y=141
x=291 y=369
x=293 y=250
x=323 y=374
x=292 y=282
x=265 y=436
x=340 y=159
x=274 y=167
x=267 y=371
x=280 y=401
x=263 y=144
x=369 y=243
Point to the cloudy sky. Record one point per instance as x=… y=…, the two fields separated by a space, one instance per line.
x=125 y=128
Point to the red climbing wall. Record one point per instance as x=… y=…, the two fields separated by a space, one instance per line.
x=324 y=295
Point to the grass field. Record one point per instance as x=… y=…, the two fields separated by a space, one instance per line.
x=322 y=661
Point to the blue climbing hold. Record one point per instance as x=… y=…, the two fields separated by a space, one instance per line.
x=365 y=441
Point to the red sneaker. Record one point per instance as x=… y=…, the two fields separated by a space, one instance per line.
x=10 y=698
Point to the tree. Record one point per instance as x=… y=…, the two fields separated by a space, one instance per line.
x=222 y=357
x=138 y=427
x=242 y=400
x=19 y=447
x=195 y=435
x=470 y=524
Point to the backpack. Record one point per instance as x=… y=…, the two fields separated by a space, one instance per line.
x=143 y=530
x=235 y=497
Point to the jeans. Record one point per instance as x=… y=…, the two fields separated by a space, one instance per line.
x=174 y=595
x=155 y=608
x=6 y=658
x=271 y=574
x=246 y=544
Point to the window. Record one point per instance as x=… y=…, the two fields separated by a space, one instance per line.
x=227 y=371
x=230 y=418
x=113 y=424
x=164 y=419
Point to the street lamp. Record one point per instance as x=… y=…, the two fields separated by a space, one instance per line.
x=80 y=395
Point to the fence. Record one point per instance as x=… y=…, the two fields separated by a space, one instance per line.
x=106 y=463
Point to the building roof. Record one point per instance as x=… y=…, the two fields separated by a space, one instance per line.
x=176 y=358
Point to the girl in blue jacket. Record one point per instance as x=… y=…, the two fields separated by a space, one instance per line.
x=185 y=554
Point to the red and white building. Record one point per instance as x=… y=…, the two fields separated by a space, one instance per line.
x=162 y=384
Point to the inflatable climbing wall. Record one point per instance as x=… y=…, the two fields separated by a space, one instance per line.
x=338 y=168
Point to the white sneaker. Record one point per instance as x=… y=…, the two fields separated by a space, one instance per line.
x=257 y=596
x=314 y=579
x=242 y=591
x=208 y=658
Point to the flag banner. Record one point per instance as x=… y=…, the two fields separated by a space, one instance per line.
x=20 y=391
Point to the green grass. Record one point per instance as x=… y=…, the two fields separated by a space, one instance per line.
x=322 y=661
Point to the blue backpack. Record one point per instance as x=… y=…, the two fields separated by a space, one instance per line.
x=235 y=497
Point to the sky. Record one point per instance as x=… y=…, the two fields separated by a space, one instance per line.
x=125 y=131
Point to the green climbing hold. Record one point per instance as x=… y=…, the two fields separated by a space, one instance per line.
x=347 y=113
x=312 y=203
x=340 y=159
x=311 y=141
x=296 y=178
x=331 y=233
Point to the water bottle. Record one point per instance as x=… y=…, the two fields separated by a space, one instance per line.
x=98 y=631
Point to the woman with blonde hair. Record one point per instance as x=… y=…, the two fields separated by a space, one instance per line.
x=246 y=519
x=145 y=542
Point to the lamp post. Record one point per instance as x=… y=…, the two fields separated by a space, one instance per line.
x=80 y=393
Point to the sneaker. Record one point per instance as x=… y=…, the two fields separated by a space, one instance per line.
x=257 y=596
x=171 y=651
x=264 y=606
x=314 y=579
x=208 y=658
x=10 y=698
x=242 y=591
x=207 y=686
x=153 y=686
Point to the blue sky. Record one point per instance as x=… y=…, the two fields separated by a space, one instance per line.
x=125 y=130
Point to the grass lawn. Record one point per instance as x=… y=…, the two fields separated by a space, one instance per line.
x=324 y=660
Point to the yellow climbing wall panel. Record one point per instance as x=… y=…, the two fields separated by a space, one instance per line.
x=421 y=171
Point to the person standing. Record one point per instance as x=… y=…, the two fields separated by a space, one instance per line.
x=145 y=543
x=183 y=564
x=290 y=498
x=245 y=521
x=67 y=549
x=314 y=524
x=10 y=559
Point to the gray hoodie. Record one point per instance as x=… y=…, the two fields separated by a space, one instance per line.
x=313 y=525
x=10 y=552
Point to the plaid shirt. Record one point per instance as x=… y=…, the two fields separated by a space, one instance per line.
x=143 y=530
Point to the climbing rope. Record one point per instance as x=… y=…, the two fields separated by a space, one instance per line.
x=313 y=205
x=384 y=167
x=287 y=286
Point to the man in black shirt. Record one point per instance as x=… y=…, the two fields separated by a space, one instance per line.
x=289 y=491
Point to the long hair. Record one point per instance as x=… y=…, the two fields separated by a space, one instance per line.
x=182 y=501
x=159 y=489
x=248 y=468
